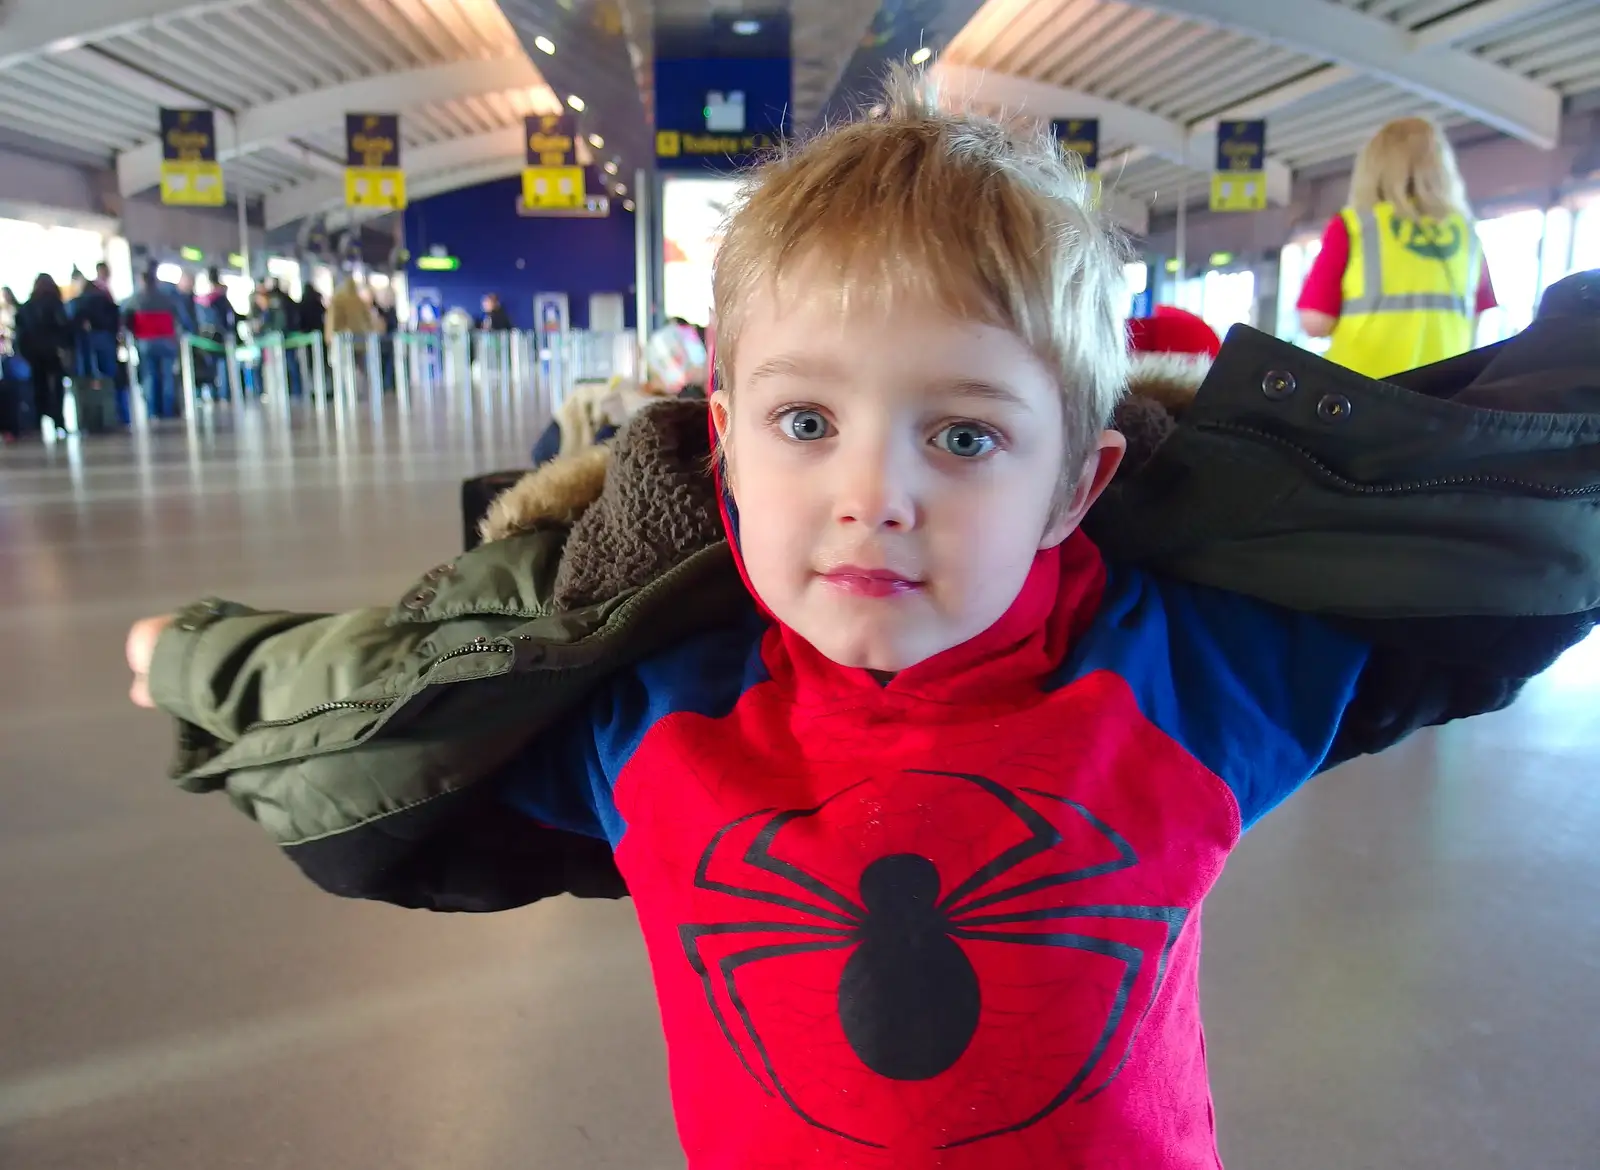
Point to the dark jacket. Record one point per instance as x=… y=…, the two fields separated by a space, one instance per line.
x=369 y=744
x=95 y=311
x=43 y=330
x=496 y=320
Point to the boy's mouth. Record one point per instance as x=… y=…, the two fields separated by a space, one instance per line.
x=860 y=582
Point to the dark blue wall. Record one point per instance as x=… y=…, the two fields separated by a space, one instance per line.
x=481 y=226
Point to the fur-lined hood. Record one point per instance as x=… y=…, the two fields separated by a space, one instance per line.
x=662 y=504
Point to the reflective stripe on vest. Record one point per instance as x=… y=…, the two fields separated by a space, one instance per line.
x=1373 y=298
x=1409 y=292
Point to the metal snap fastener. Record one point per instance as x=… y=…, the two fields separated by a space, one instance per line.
x=1334 y=407
x=1278 y=384
x=440 y=572
x=420 y=599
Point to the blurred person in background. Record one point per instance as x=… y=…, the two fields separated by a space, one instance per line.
x=349 y=312
x=494 y=319
x=96 y=322
x=8 y=320
x=183 y=294
x=1401 y=278
x=44 y=341
x=313 y=311
x=389 y=324
x=216 y=321
x=153 y=318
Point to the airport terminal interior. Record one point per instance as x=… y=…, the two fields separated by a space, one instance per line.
x=282 y=275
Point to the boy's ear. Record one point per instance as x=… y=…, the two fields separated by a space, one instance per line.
x=722 y=419
x=721 y=415
x=1098 y=471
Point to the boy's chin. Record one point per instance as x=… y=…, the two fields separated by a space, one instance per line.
x=876 y=651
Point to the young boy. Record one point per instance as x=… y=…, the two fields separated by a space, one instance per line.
x=920 y=821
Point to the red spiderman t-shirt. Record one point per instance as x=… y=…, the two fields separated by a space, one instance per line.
x=952 y=920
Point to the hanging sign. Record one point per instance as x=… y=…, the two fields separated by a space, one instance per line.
x=551 y=176
x=1240 y=180
x=1082 y=137
x=372 y=174
x=191 y=176
x=723 y=91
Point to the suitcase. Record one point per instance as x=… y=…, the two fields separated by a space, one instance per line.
x=96 y=401
x=16 y=398
x=477 y=494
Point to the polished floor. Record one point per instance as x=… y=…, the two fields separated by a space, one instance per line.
x=1403 y=965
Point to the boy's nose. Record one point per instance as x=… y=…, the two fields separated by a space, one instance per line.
x=873 y=490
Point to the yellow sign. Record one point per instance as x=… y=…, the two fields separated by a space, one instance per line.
x=674 y=143
x=379 y=188
x=552 y=186
x=192 y=184
x=1239 y=191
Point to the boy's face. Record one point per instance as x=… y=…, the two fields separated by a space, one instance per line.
x=896 y=472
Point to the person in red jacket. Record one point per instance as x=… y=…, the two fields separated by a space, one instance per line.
x=152 y=318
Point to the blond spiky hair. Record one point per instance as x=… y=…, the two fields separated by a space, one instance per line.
x=988 y=218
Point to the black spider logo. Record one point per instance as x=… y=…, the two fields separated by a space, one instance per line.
x=909 y=998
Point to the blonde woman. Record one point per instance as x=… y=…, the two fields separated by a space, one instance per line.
x=1401 y=278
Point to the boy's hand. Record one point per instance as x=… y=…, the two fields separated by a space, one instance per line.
x=141 y=650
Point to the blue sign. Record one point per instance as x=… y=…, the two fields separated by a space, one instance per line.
x=1242 y=146
x=723 y=92
x=1082 y=137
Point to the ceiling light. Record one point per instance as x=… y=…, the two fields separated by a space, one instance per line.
x=596 y=141
x=622 y=188
x=921 y=55
x=746 y=28
x=544 y=44
x=575 y=102
x=611 y=168
x=627 y=205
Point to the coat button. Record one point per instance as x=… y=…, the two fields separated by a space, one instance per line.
x=440 y=572
x=419 y=599
x=1278 y=385
x=1334 y=407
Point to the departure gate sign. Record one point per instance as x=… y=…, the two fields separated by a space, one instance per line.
x=191 y=176
x=372 y=174
x=551 y=176
x=1239 y=182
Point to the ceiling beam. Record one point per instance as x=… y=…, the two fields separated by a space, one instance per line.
x=1482 y=18
x=1329 y=31
x=29 y=28
x=421 y=164
x=274 y=123
x=1158 y=136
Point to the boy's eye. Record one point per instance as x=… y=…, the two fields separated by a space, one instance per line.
x=804 y=426
x=968 y=440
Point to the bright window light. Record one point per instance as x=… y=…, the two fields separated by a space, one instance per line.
x=544 y=45
x=575 y=102
x=169 y=273
x=746 y=28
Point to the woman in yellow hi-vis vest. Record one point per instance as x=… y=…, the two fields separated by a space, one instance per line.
x=1400 y=279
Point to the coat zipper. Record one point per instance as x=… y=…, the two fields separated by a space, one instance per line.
x=1350 y=485
x=477 y=646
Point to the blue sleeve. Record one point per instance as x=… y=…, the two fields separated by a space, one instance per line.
x=1253 y=692
x=548 y=446
x=566 y=777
